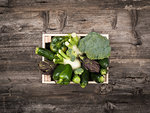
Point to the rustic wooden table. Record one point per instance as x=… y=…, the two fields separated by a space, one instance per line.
x=22 y=23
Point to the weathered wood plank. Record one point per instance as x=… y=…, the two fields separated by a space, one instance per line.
x=111 y=4
x=122 y=39
x=125 y=34
x=3 y=3
x=11 y=22
x=17 y=55
x=21 y=27
x=21 y=57
x=89 y=102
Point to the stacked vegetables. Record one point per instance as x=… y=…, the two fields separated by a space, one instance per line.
x=73 y=59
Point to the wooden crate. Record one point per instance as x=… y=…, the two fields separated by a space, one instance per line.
x=46 y=38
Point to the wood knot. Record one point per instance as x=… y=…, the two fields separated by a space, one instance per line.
x=109 y=107
x=138 y=91
x=6 y=29
x=57 y=20
x=103 y=89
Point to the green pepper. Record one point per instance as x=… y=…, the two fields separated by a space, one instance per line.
x=62 y=74
x=97 y=77
x=58 y=43
x=84 y=78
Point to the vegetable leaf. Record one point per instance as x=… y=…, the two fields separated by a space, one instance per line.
x=95 y=46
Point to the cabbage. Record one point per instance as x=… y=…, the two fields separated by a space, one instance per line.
x=95 y=46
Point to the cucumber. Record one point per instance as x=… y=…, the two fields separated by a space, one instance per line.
x=84 y=79
x=44 y=52
x=104 y=62
x=97 y=77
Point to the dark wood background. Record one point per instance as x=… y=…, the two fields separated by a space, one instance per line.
x=22 y=23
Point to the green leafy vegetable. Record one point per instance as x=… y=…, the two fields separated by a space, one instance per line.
x=95 y=46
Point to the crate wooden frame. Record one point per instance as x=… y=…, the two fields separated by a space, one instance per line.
x=47 y=38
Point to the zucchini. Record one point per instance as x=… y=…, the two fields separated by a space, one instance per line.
x=97 y=77
x=104 y=62
x=44 y=52
x=84 y=79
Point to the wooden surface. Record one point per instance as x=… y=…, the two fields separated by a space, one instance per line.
x=22 y=23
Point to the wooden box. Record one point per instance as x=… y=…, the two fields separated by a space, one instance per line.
x=46 y=38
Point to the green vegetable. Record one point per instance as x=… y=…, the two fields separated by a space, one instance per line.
x=103 y=71
x=46 y=66
x=84 y=79
x=62 y=58
x=44 y=52
x=71 y=54
x=79 y=71
x=72 y=44
x=97 y=77
x=58 y=42
x=102 y=79
x=76 y=79
x=104 y=62
x=62 y=74
x=95 y=46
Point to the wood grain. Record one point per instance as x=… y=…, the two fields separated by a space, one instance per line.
x=22 y=23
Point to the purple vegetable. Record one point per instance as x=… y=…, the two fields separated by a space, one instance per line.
x=91 y=65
